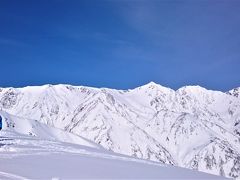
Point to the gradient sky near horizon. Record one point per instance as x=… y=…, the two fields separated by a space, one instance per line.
x=120 y=43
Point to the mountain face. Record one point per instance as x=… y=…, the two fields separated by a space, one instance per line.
x=191 y=127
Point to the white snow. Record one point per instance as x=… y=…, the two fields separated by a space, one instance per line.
x=27 y=157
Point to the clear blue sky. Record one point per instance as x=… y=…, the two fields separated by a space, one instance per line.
x=120 y=43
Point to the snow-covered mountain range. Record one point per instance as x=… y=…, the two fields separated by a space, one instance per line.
x=191 y=127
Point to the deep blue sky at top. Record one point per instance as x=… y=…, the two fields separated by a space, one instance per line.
x=120 y=43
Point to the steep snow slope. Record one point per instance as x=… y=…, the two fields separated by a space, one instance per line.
x=192 y=127
x=30 y=127
x=28 y=157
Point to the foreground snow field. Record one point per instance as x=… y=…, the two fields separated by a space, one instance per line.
x=191 y=127
x=27 y=157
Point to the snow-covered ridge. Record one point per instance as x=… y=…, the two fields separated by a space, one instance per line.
x=191 y=127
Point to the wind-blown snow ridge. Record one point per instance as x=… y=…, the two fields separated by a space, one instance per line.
x=191 y=127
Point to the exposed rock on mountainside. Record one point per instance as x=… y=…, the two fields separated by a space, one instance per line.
x=234 y=92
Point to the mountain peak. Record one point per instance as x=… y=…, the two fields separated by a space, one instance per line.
x=152 y=86
x=151 y=83
x=192 y=88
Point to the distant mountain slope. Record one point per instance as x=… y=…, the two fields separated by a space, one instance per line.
x=192 y=127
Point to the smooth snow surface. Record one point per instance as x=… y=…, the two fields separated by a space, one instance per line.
x=27 y=157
